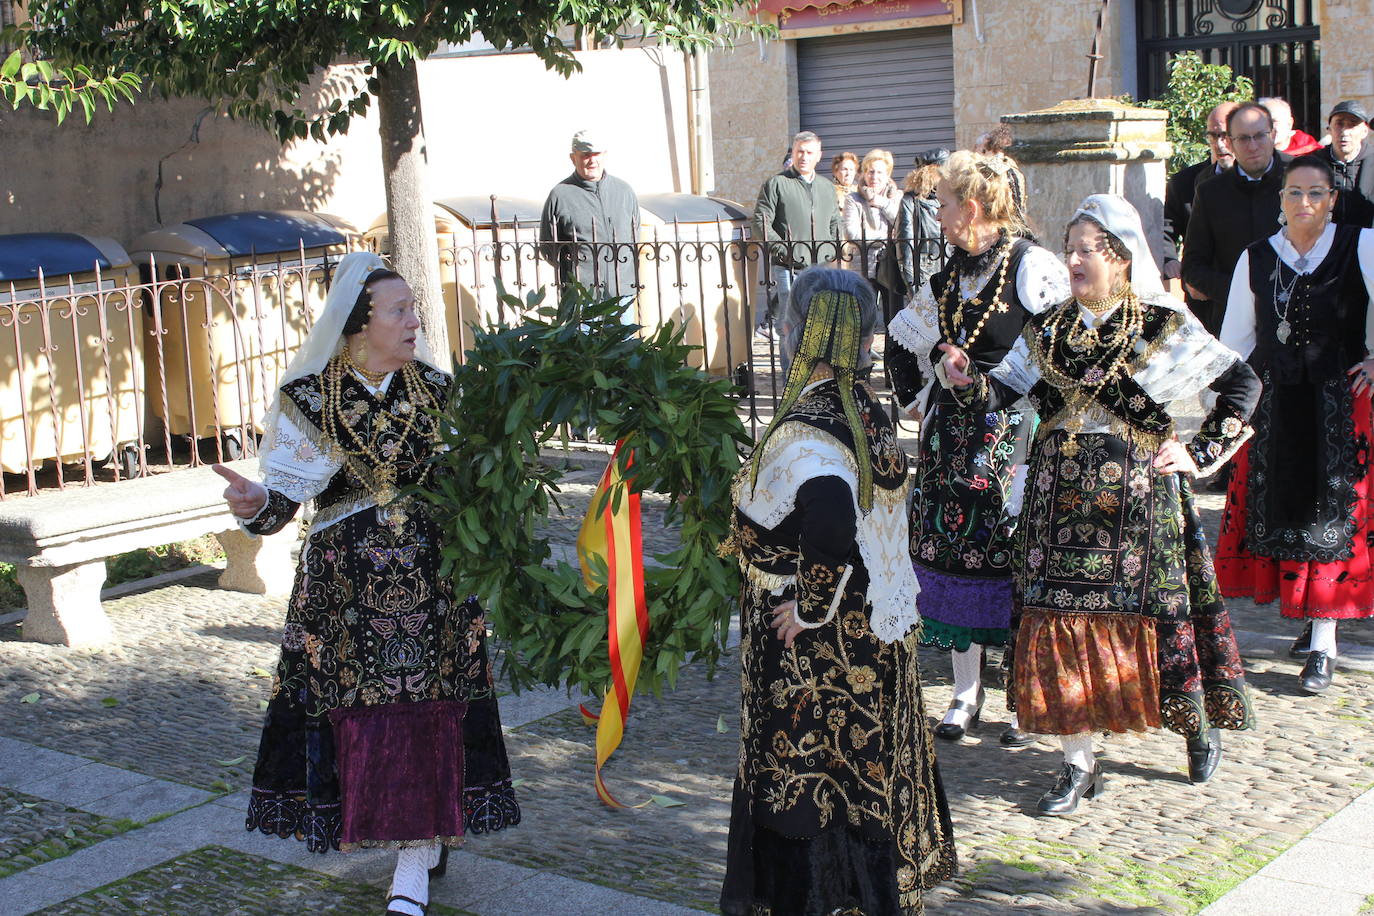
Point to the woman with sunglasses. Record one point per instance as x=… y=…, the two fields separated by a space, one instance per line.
x=1298 y=513
x=1121 y=625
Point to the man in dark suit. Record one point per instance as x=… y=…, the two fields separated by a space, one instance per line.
x=1233 y=209
x=1182 y=188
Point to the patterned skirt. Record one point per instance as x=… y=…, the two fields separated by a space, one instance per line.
x=1122 y=627
x=838 y=804
x=1340 y=589
x=382 y=728
x=961 y=535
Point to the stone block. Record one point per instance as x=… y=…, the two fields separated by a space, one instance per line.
x=64 y=604
x=259 y=565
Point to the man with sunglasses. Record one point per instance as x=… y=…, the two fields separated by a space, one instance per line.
x=1182 y=188
x=1351 y=157
x=1232 y=210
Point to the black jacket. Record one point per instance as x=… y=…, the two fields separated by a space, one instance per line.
x=1229 y=212
x=1355 y=181
x=1178 y=203
x=919 y=239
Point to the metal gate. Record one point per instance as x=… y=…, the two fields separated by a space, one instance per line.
x=889 y=90
x=1276 y=43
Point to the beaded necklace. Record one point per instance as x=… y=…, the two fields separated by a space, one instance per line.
x=1115 y=350
x=952 y=305
x=345 y=442
x=373 y=378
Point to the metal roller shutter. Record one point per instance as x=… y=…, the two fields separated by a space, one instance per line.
x=888 y=90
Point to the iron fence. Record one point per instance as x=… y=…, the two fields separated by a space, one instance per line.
x=111 y=377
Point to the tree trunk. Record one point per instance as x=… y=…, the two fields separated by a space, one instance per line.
x=409 y=207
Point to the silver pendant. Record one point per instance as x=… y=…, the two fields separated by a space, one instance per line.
x=1301 y=264
x=1284 y=331
x=1283 y=296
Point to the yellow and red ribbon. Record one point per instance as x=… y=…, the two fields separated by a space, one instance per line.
x=614 y=536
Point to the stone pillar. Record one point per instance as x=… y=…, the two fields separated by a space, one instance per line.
x=259 y=565
x=1092 y=146
x=64 y=604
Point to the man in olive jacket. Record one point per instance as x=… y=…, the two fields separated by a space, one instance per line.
x=797 y=216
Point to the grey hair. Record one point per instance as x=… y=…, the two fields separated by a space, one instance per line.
x=805 y=136
x=818 y=279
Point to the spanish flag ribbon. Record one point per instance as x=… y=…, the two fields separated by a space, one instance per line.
x=613 y=535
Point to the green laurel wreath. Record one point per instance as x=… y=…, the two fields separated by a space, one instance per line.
x=578 y=364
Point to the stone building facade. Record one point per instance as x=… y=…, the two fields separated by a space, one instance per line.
x=1003 y=57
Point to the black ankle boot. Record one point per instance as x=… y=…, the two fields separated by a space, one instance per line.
x=1316 y=674
x=1071 y=785
x=951 y=732
x=1204 y=755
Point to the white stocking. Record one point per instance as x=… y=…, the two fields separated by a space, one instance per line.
x=968 y=674
x=1324 y=636
x=411 y=878
x=1078 y=750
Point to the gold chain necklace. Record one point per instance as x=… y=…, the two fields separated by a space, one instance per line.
x=372 y=378
x=381 y=482
x=949 y=328
x=1117 y=348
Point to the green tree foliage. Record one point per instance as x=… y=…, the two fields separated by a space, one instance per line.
x=517 y=386
x=1194 y=90
x=59 y=90
x=256 y=56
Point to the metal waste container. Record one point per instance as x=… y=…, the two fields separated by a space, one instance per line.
x=71 y=333
x=693 y=270
x=236 y=295
x=466 y=237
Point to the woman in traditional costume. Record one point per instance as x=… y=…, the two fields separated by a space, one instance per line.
x=1122 y=627
x=1299 y=511
x=382 y=728
x=838 y=805
x=963 y=516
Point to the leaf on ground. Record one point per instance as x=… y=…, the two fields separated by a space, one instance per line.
x=517 y=783
x=29 y=698
x=70 y=834
x=259 y=672
x=29 y=804
x=664 y=801
x=262 y=705
x=109 y=701
x=720 y=725
x=233 y=763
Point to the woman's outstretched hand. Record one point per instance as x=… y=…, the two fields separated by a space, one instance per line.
x=1172 y=458
x=956 y=366
x=1361 y=377
x=245 y=497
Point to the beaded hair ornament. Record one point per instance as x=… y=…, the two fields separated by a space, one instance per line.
x=832 y=333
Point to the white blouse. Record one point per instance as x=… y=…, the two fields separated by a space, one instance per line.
x=1042 y=280
x=1238 y=327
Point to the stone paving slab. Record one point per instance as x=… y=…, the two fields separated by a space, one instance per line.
x=1264 y=896
x=215 y=881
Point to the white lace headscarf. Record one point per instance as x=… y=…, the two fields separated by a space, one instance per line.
x=326 y=338
x=1115 y=214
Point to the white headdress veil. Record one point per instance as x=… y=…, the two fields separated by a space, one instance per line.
x=1115 y=214
x=1192 y=358
x=326 y=336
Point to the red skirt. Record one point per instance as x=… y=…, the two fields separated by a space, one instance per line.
x=1343 y=590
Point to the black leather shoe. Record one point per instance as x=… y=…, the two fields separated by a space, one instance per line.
x=1014 y=737
x=951 y=732
x=1303 y=644
x=438 y=870
x=1071 y=785
x=1204 y=756
x=1316 y=674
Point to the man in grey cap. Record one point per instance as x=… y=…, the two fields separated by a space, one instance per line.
x=590 y=225
x=1352 y=159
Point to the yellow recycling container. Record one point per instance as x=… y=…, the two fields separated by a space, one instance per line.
x=236 y=295
x=71 y=367
x=693 y=270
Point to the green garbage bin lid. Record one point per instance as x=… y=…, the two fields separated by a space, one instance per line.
x=268 y=231
x=24 y=254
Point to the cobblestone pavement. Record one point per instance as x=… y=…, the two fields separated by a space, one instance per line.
x=178 y=696
x=34 y=830
x=215 y=881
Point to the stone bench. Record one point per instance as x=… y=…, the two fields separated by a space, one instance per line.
x=58 y=543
